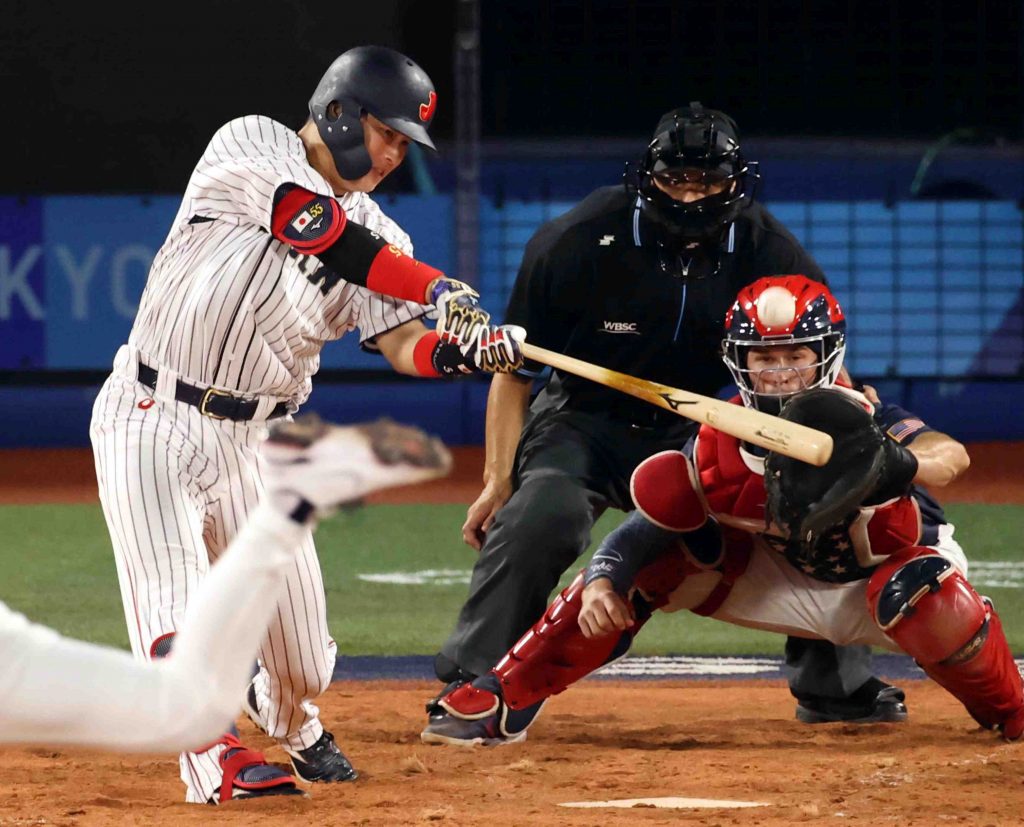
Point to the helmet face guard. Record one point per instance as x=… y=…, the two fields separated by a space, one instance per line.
x=783 y=311
x=377 y=81
x=693 y=145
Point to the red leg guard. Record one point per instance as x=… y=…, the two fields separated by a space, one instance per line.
x=924 y=604
x=554 y=654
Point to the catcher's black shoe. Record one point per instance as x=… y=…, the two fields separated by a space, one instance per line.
x=322 y=762
x=875 y=702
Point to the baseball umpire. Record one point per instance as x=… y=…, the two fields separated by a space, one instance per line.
x=276 y=250
x=638 y=279
x=854 y=552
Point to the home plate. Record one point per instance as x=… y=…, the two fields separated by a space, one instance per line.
x=670 y=803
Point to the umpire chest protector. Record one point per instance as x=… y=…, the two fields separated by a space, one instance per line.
x=591 y=285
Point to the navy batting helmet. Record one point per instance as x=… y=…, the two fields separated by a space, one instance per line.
x=378 y=81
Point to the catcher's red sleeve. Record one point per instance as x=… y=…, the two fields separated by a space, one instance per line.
x=664 y=489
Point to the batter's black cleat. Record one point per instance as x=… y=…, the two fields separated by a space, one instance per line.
x=323 y=762
x=876 y=702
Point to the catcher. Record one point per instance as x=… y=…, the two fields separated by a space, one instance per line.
x=854 y=552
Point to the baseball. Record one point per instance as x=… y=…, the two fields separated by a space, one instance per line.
x=776 y=307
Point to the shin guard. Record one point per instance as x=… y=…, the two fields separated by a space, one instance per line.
x=926 y=606
x=554 y=654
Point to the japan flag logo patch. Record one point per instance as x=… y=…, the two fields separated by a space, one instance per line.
x=301 y=221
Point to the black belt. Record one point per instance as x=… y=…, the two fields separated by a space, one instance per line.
x=214 y=403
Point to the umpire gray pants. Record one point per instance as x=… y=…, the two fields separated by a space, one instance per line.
x=570 y=467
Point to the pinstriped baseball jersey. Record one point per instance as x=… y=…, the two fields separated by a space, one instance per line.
x=226 y=304
x=229 y=306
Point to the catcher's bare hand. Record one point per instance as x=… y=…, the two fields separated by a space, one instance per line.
x=603 y=611
x=480 y=515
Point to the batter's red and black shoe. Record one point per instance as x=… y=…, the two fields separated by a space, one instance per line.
x=322 y=762
x=246 y=774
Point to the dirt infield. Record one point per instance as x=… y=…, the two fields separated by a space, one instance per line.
x=66 y=475
x=599 y=741
x=734 y=740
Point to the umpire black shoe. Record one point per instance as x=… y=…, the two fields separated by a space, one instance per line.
x=322 y=762
x=875 y=702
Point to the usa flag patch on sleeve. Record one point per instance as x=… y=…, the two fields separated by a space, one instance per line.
x=904 y=428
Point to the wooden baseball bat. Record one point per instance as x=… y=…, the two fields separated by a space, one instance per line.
x=789 y=438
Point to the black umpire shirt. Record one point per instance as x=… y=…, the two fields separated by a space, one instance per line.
x=591 y=286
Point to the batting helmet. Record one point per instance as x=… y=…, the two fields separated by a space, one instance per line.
x=784 y=310
x=378 y=81
x=694 y=144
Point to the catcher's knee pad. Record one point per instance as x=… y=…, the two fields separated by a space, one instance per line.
x=920 y=600
x=554 y=654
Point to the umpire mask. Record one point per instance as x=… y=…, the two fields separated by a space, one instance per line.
x=689 y=187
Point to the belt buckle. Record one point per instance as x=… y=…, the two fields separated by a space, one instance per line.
x=206 y=398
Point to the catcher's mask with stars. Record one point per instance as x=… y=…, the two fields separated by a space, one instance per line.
x=378 y=81
x=693 y=145
x=784 y=311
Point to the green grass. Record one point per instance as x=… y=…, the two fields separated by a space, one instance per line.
x=59 y=570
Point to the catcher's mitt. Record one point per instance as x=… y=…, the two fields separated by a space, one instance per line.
x=866 y=466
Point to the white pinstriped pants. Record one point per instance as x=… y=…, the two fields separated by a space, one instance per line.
x=176 y=486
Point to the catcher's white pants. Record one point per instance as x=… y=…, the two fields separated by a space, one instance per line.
x=774 y=596
x=176 y=487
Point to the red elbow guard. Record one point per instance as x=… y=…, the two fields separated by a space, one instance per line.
x=308 y=222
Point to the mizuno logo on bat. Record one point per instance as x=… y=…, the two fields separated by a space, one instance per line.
x=675 y=403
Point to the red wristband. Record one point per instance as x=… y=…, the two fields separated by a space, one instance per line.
x=393 y=273
x=423 y=354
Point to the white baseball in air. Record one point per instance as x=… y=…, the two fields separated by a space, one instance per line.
x=776 y=307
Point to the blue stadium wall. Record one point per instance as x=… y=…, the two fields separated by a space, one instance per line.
x=934 y=291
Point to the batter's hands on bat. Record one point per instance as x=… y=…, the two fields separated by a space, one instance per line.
x=480 y=515
x=603 y=611
x=459 y=314
x=496 y=349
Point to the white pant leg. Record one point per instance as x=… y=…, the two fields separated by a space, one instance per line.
x=298 y=655
x=151 y=474
x=60 y=691
x=774 y=596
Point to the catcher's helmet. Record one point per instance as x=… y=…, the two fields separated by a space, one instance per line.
x=784 y=310
x=378 y=81
x=694 y=144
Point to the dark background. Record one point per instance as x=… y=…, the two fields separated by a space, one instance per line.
x=122 y=97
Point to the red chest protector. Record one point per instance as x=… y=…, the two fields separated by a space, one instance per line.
x=731 y=489
x=735 y=496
